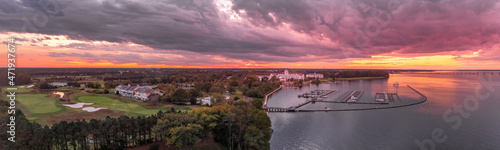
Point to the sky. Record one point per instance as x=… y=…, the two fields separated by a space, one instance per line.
x=321 y=34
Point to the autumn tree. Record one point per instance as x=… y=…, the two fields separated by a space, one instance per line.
x=185 y=136
x=180 y=96
x=153 y=98
x=193 y=94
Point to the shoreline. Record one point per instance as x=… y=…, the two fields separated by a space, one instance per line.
x=269 y=94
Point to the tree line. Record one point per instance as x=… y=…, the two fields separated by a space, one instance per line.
x=21 y=78
x=367 y=73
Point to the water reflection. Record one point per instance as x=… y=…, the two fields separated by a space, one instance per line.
x=390 y=128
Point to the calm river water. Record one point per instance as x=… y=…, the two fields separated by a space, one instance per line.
x=396 y=128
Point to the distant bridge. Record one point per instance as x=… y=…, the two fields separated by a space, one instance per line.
x=467 y=73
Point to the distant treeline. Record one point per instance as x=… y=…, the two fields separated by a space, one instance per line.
x=21 y=78
x=242 y=125
x=367 y=73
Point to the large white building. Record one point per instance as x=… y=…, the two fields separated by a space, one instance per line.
x=139 y=91
x=287 y=76
x=314 y=75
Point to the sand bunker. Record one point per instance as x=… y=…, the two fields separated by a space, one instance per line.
x=91 y=109
x=59 y=93
x=77 y=105
x=80 y=105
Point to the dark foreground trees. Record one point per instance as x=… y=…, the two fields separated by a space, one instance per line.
x=242 y=125
x=111 y=133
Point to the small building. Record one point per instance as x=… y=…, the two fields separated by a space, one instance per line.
x=59 y=84
x=227 y=95
x=206 y=101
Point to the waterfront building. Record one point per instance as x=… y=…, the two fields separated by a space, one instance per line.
x=287 y=76
x=314 y=75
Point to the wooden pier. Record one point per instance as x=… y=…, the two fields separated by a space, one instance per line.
x=354 y=102
x=278 y=109
x=346 y=98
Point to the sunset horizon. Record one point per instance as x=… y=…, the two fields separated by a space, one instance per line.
x=249 y=74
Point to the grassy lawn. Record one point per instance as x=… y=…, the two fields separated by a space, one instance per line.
x=63 y=88
x=83 y=76
x=358 y=78
x=38 y=103
x=46 y=111
x=121 y=104
x=4 y=88
x=18 y=89
x=324 y=80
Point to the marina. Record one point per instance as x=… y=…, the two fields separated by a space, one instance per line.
x=349 y=97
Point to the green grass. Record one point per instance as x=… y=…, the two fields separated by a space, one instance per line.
x=46 y=111
x=358 y=78
x=4 y=88
x=38 y=103
x=324 y=80
x=63 y=88
x=83 y=76
x=120 y=104
x=18 y=89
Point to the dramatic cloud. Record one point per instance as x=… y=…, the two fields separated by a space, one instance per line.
x=259 y=31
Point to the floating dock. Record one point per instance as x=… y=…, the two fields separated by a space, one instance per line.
x=387 y=97
x=316 y=94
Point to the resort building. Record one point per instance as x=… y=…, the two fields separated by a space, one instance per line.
x=287 y=76
x=314 y=75
x=137 y=90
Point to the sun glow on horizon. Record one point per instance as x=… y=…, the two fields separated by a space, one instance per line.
x=58 y=51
